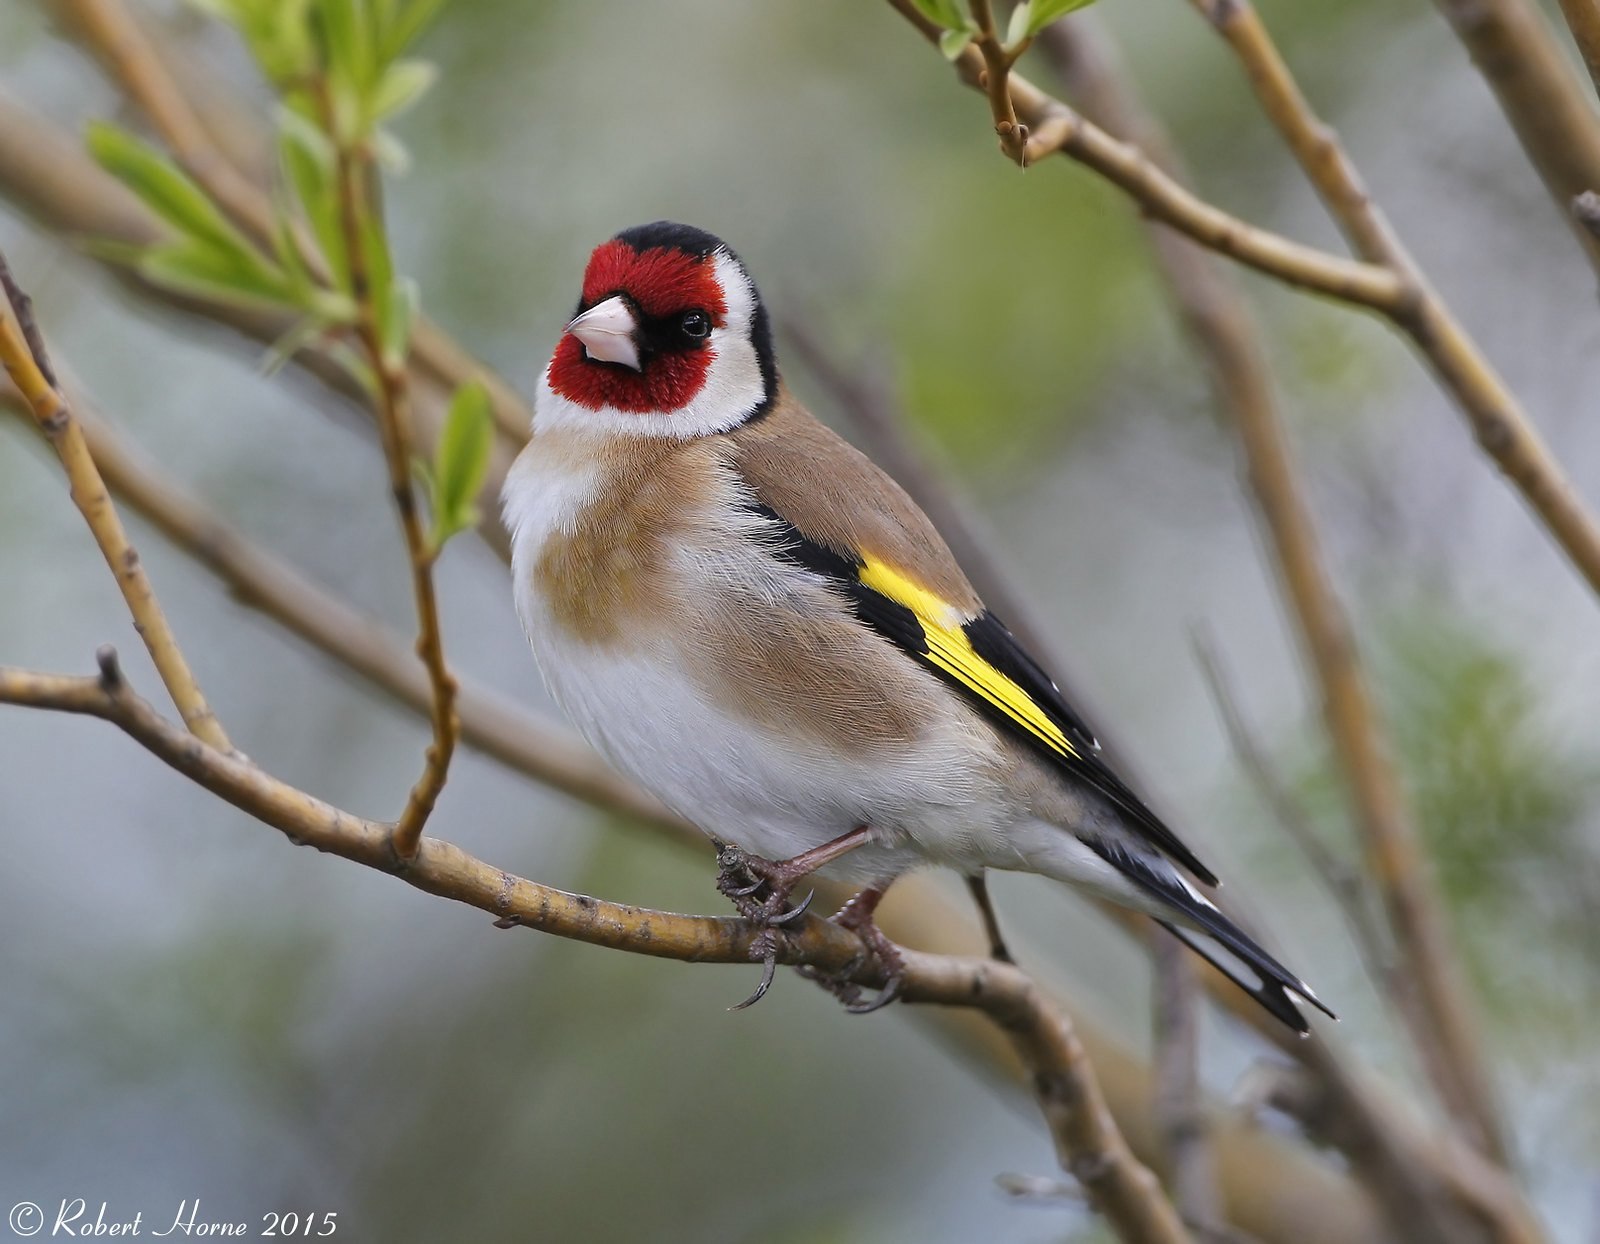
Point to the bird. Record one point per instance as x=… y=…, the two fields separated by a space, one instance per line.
x=741 y=612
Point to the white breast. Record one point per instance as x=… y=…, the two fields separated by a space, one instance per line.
x=941 y=800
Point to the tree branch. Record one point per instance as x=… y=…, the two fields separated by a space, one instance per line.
x=22 y=353
x=997 y=60
x=1543 y=99
x=50 y=176
x=1343 y=883
x=1087 y=1140
x=1583 y=20
x=1180 y=1116
x=1056 y=128
x=1228 y=339
x=1448 y=1039
x=260 y=580
x=1502 y=428
x=360 y=215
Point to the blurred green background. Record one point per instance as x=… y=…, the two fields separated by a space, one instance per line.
x=192 y=1009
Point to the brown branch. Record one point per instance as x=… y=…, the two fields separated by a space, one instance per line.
x=1448 y=1038
x=1088 y=1143
x=1502 y=428
x=50 y=176
x=263 y=581
x=28 y=368
x=1228 y=339
x=1086 y=1137
x=1057 y=128
x=1537 y=90
x=392 y=408
x=995 y=81
x=1342 y=882
x=1583 y=20
x=1180 y=1115
x=438 y=867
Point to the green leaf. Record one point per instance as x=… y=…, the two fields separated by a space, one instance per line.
x=395 y=319
x=355 y=365
x=946 y=13
x=193 y=267
x=390 y=153
x=286 y=247
x=276 y=31
x=165 y=188
x=402 y=84
x=407 y=27
x=1043 y=12
x=1017 y=28
x=461 y=462
x=347 y=39
x=954 y=42
x=299 y=335
x=308 y=165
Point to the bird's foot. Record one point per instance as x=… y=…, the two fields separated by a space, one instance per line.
x=759 y=890
x=858 y=916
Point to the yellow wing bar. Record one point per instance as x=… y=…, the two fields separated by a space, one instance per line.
x=950 y=649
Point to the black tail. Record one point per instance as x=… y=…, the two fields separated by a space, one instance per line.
x=1212 y=936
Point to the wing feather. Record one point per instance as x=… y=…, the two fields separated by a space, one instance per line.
x=979 y=657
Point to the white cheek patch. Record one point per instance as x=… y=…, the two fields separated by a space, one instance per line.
x=734 y=385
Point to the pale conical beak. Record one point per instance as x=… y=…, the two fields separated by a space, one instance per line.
x=606 y=331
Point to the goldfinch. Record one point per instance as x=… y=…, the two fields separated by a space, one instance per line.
x=746 y=616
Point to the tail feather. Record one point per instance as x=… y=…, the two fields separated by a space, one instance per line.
x=1211 y=935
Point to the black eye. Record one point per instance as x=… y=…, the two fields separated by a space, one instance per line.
x=695 y=325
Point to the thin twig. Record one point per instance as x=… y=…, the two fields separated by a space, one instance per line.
x=1225 y=333
x=1502 y=428
x=997 y=60
x=259 y=579
x=1056 y=128
x=21 y=351
x=1583 y=20
x=1447 y=1036
x=1518 y=54
x=1087 y=1140
x=50 y=176
x=1343 y=882
x=1180 y=1116
x=392 y=407
x=1500 y=424
x=120 y=42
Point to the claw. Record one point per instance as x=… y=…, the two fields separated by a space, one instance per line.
x=747 y=890
x=769 y=969
x=794 y=913
x=886 y=995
